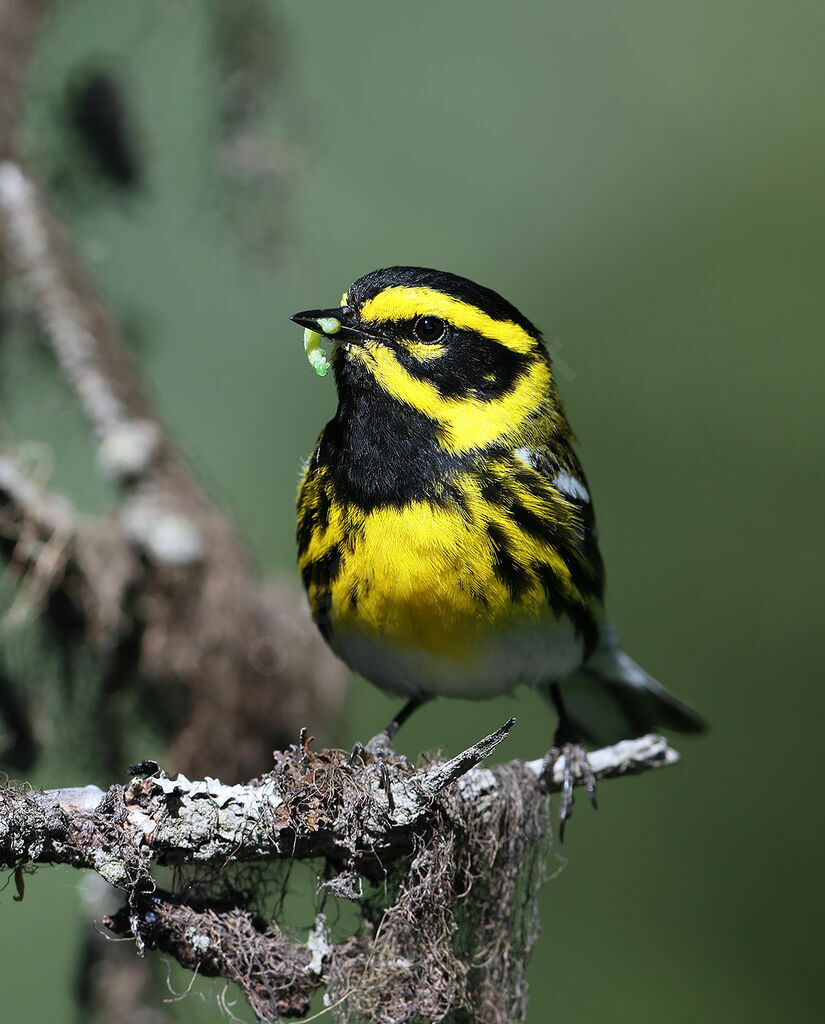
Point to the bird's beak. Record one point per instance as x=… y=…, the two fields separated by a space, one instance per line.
x=341 y=323
x=326 y=321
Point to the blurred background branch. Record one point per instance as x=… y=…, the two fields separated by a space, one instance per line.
x=174 y=587
x=160 y=590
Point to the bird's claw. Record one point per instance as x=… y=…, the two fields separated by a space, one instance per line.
x=357 y=752
x=378 y=748
x=576 y=766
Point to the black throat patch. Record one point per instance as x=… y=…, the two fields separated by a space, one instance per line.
x=379 y=451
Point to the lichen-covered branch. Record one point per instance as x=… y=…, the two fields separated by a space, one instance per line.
x=444 y=830
x=278 y=977
x=312 y=804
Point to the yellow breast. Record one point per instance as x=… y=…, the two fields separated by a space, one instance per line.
x=426 y=576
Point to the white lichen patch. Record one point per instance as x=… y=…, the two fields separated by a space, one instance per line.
x=246 y=798
x=167 y=538
x=128 y=448
x=200 y=943
x=318 y=945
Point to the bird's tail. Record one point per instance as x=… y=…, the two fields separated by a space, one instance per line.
x=611 y=698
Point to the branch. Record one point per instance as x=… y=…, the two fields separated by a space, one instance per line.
x=462 y=843
x=311 y=805
x=629 y=757
x=80 y=332
x=275 y=974
x=52 y=549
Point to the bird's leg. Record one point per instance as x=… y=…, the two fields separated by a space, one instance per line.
x=412 y=705
x=381 y=744
x=567 y=744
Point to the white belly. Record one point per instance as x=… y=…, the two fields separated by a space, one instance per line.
x=529 y=653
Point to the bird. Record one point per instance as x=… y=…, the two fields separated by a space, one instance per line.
x=446 y=534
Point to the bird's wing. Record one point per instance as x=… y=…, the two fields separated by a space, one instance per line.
x=567 y=479
x=552 y=502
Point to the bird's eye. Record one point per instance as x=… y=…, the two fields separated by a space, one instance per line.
x=429 y=328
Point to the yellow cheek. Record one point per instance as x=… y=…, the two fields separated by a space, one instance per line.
x=424 y=352
x=466 y=422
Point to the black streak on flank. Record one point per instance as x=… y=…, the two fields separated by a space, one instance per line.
x=563 y=539
x=495 y=492
x=585 y=575
x=306 y=528
x=576 y=542
x=581 y=616
x=552 y=589
x=514 y=576
x=313 y=515
x=322 y=614
x=324 y=570
x=322 y=508
x=534 y=525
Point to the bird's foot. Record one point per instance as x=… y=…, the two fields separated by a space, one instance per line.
x=380 y=748
x=576 y=768
x=379 y=751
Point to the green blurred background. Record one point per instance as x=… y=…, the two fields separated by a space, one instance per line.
x=647 y=183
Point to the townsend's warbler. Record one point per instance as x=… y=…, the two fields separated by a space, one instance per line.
x=445 y=527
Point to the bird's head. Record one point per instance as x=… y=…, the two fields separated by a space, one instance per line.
x=439 y=344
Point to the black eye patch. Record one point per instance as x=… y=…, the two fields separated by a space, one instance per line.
x=471 y=366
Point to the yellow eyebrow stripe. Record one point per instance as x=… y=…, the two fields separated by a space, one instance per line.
x=466 y=422
x=401 y=303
